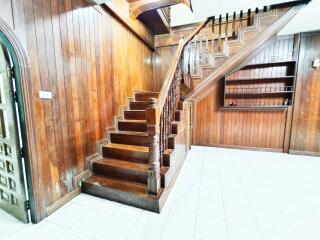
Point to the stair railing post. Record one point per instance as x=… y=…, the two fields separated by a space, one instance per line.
x=212 y=41
x=154 y=147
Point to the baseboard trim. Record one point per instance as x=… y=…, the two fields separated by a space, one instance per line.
x=306 y=153
x=62 y=201
x=167 y=190
x=241 y=147
x=76 y=180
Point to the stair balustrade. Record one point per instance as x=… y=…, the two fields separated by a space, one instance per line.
x=190 y=53
x=200 y=51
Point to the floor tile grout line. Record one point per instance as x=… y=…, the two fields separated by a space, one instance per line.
x=132 y=227
x=223 y=202
x=198 y=198
x=95 y=233
x=247 y=197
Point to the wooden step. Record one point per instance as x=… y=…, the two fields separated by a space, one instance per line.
x=144 y=96
x=126 y=152
x=132 y=125
x=130 y=138
x=135 y=114
x=167 y=157
x=172 y=141
x=138 y=105
x=177 y=115
x=130 y=193
x=174 y=127
x=118 y=169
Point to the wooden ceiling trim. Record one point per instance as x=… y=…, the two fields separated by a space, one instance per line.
x=138 y=7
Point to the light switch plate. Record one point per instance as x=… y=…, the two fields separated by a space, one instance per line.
x=316 y=63
x=45 y=95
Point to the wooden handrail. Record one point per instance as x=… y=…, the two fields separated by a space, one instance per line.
x=173 y=66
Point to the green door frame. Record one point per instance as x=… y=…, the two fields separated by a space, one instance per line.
x=16 y=74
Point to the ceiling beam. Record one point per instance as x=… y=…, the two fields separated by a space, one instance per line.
x=139 y=6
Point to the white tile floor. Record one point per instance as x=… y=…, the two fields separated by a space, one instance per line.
x=220 y=194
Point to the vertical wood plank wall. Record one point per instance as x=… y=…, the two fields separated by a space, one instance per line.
x=91 y=64
x=251 y=129
x=305 y=134
x=162 y=58
x=215 y=127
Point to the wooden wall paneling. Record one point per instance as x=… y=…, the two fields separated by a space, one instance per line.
x=216 y=127
x=58 y=176
x=91 y=63
x=59 y=90
x=162 y=58
x=305 y=135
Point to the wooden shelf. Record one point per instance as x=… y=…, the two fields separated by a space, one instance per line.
x=255 y=93
x=260 y=94
x=268 y=64
x=246 y=80
x=255 y=108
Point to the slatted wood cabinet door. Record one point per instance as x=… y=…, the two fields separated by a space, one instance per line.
x=12 y=190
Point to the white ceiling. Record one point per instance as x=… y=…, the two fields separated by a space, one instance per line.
x=181 y=15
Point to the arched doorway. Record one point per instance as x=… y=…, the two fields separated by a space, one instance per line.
x=16 y=195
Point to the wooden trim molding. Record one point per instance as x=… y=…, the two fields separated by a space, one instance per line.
x=126 y=22
x=34 y=185
x=138 y=7
x=62 y=201
x=242 y=147
x=305 y=153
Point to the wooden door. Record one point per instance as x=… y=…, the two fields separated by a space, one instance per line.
x=12 y=187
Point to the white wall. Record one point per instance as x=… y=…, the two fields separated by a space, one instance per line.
x=308 y=19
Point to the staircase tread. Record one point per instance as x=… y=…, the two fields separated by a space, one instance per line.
x=168 y=151
x=135 y=101
x=127 y=147
x=173 y=135
x=144 y=134
x=121 y=185
x=135 y=110
x=144 y=91
x=123 y=164
x=133 y=120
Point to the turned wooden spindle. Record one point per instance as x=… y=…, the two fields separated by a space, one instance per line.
x=234 y=25
x=241 y=18
x=195 y=55
x=249 y=17
x=189 y=59
x=219 y=33
x=212 y=41
x=206 y=50
x=200 y=48
x=154 y=147
x=226 y=50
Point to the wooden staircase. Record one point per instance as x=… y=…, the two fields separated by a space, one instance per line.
x=142 y=154
x=121 y=172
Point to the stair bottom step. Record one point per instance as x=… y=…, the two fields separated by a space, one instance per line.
x=129 y=193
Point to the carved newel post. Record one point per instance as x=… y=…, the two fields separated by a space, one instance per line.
x=154 y=147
